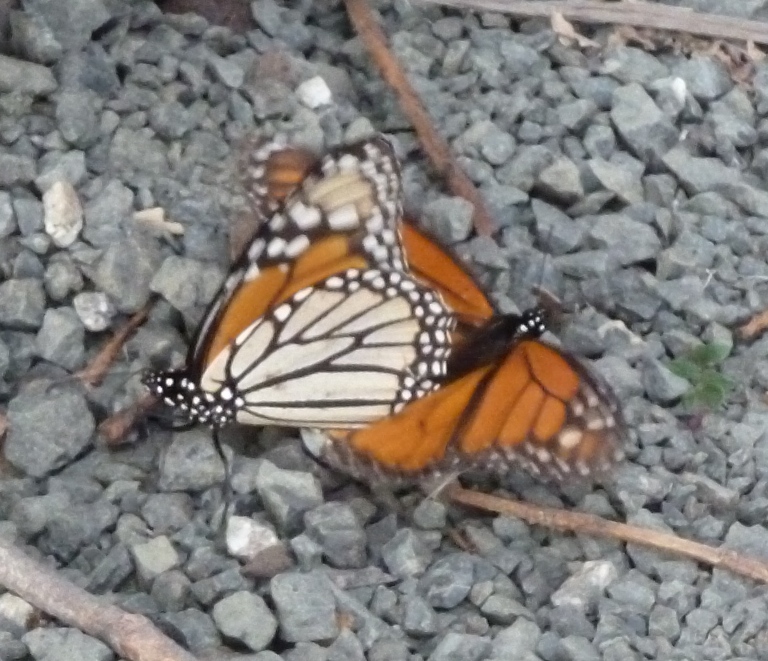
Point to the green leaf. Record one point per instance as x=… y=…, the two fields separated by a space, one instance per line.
x=686 y=369
x=708 y=355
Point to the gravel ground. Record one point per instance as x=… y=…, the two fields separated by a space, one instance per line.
x=631 y=182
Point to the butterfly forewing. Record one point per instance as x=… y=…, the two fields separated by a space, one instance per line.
x=318 y=323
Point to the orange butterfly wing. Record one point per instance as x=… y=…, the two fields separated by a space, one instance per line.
x=537 y=408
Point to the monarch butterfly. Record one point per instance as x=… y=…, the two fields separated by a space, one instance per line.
x=465 y=385
x=319 y=324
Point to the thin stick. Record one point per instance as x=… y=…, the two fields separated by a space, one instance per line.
x=637 y=14
x=133 y=637
x=754 y=326
x=436 y=148
x=592 y=525
x=93 y=373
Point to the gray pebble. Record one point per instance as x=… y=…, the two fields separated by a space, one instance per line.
x=94 y=309
x=346 y=647
x=461 y=646
x=638 y=120
x=106 y=214
x=335 y=527
x=190 y=462
x=124 y=273
x=306 y=608
x=22 y=304
x=661 y=384
x=109 y=574
x=60 y=338
x=447 y=582
x=76 y=114
x=170 y=590
x=244 y=618
x=25 y=77
x=47 y=430
x=405 y=554
x=287 y=494
x=449 y=218
x=193 y=628
x=522 y=637
x=28 y=211
x=419 y=618
x=61 y=166
x=706 y=77
x=154 y=557
x=61 y=643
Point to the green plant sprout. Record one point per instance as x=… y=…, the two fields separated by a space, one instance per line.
x=701 y=368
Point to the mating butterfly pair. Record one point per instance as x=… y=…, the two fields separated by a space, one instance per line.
x=342 y=315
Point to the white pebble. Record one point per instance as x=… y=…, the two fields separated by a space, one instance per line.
x=62 y=213
x=314 y=93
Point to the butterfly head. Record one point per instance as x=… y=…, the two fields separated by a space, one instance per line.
x=179 y=391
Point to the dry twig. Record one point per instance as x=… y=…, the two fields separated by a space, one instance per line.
x=588 y=524
x=132 y=636
x=436 y=148
x=93 y=373
x=636 y=13
x=754 y=326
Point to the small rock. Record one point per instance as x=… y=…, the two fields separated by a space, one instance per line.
x=227 y=70
x=170 y=590
x=190 y=463
x=462 y=646
x=336 y=528
x=47 y=430
x=209 y=590
x=56 y=167
x=124 y=273
x=706 y=77
x=154 y=557
x=248 y=539
x=586 y=586
x=448 y=581
x=306 y=608
x=76 y=114
x=61 y=643
x=29 y=212
x=347 y=647
x=314 y=93
x=522 y=636
x=94 y=309
x=287 y=494
x=646 y=129
x=405 y=554
x=193 y=629
x=25 y=77
x=419 y=618
x=562 y=181
x=449 y=218
x=22 y=304
x=111 y=572
x=62 y=214
x=60 y=339
x=244 y=618
x=106 y=212
x=17 y=613
x=74 y=25
x=661 y=385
